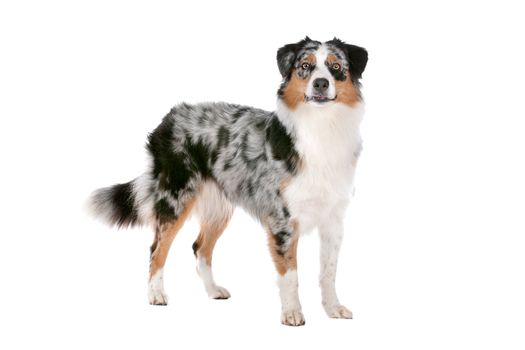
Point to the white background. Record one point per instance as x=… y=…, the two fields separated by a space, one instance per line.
x=433 y=256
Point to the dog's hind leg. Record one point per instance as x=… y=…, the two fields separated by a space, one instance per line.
x=167 y=225
x=214 y=212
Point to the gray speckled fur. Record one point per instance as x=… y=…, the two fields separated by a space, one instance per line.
x=240 y=158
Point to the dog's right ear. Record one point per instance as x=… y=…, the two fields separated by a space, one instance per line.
x=287 y=54
x=286 y=58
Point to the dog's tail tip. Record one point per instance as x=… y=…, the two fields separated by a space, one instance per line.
x=114 y=205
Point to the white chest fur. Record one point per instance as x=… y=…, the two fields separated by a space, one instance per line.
x=328 y=142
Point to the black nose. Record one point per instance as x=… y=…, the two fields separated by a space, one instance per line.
x=321 y=84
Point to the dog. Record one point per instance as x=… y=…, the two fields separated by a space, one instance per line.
x=291 y=169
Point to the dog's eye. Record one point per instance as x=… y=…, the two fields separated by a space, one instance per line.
x=305 y=65
x=336 y=66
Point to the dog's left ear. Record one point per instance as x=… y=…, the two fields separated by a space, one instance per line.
x=357 y=57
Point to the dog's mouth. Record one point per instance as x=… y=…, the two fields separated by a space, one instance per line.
x=319 y=98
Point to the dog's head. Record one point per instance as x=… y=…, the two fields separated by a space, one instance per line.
x=320 y=74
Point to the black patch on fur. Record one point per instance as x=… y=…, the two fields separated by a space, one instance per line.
x=214 y=156
x=122 y=200
x=223 y=135
x=260 y=125
x=251 y=190
x=337 y=74
x=205 y=116
x=244 y=148
x=168 y=166
x=199 y=155
x=282 y=144
x=175 y=169
x=286 y=213
x=227 y=164
x=159 y=141
x=356 y=56
x=280 y=92
x=153 y=246
x=165 y=212
x=281 y=238
x=239 y=113
x=195 y=247
x=244 y=142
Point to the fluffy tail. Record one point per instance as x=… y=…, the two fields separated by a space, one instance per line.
x=120 y=205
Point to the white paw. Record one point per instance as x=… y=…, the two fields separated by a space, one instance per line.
x=156 y=293
x=218 y=293
x=338 y=311
x=158 y=297
x=292 y=318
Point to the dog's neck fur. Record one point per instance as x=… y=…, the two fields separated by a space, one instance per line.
x=324 y=133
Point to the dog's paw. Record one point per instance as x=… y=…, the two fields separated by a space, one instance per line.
x=218 y=293
x=157 y=297
x=292 y=318
x=338 y=311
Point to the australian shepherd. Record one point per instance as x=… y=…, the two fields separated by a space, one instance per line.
x=291 y=169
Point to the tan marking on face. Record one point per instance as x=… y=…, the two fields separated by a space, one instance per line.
x=294 y=91
x=296 y=87
x=310 y=59
x=288 y=261
x=346 y=92
x=331 y=59
x=164 y=238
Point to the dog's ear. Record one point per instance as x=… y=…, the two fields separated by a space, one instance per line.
x=286 y=58
x=287 y=54
x=357 y=57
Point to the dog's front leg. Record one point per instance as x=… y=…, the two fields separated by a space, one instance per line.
x=331 y=236
x=283 y=237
